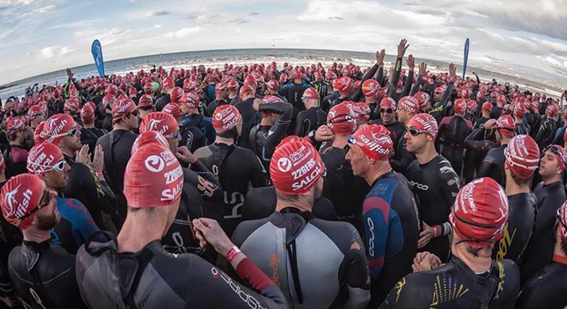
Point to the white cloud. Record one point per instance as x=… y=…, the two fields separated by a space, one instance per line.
x=51 y=52
x=39 y=11
x=154 y=13
x=77 y=24
x=183 y=32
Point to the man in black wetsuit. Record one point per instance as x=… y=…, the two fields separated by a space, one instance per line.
x=117 y=148
x=163 y=98
x=303 y=254
x=522 y=158
x=235 y=167
x=407 y=108
x=493 y=164
x=192 y=121
x=86 y=183
x=519 y=113
x=89 y=133
x=550 y=196
x=221 y=98
x=391 y=219
x=388 y=112
x=370 y=90
x=547 y=288
x=452 y=133
x=250 y=117
x=129 y=270
x=276 y=119
x=485 y=115
x=16 y=153
x=293 y=92
x=40 y=270
x=435 y=182
x=547 y=130
x=313 y=116
x=471 y=279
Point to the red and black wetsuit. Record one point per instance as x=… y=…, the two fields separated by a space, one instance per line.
x=452 y=133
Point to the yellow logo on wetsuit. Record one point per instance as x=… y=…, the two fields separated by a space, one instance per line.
x=446 y=289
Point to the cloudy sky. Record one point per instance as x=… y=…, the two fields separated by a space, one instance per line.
x=39 y=36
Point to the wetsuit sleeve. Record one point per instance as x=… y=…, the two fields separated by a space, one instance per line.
x=486 y=166
x=380 y=77
x=450 y=183
x=446 y=97
x=95 y=190
x=259 y=177
x=543 y=132
x=278 y=131
x=201 y=170
x=407 y=86
x=82 y=222
x=477 y=78
x=404 y=158
x=407 y=293
x=475 y=141
x=355 y=266
x=395 y=77
x=358 y=93
x=558 y=139
x=299 y=124
x=415 y=89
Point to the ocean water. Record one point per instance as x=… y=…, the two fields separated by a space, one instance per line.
x=217 y=58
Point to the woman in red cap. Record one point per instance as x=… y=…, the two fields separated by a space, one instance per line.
x=471 y=279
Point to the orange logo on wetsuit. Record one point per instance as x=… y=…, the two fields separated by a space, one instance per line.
x=275 y=265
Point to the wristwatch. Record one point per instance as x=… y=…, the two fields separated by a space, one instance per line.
x=311 y=136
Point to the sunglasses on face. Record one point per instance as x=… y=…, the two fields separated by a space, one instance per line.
x=45 y=200
x=416 y=132
x=387 y=111
x=175 y=135
x=71 y=132
x=134 y=113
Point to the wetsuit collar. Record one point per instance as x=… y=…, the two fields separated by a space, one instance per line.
x=560 y=259
x=38 y=246
x=460 y=264
x=383 y=176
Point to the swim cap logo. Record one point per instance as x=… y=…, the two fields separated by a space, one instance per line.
x=284 y=165
x=218 y=116
x=154 y=164
x=11 y=201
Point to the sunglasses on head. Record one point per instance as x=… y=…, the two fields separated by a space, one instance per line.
x=416 y=132
x=45 y=200
x=386 y=110
x=556 y=151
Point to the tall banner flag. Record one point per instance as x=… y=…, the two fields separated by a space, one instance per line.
x=466 y=57
x=96 y=50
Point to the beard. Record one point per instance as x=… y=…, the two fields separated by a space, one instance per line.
x=46 y=223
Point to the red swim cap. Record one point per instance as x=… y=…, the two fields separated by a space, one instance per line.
x=168 y=83
x=519 y=110
x=552 y=110
x=190 y=100
x=341 y=120
x=310 y=94
x=149 y=88
x=374 y=140
x=388 y=102
x=121 y=108
x=505 y=125
x=220 y=87
x=15 y=125
x=271 y=99
x=562 y=218
x=149 y=137
x=112 y=90
x=295 y=167
x=472 y=106
x=176 y=94
x=247 y=89
x=480 y=212
x=360 y=110
x=225 y=118
x=57 y=127
x=460 y=106
x=162 y=123
x=487 y=106
x=343 y=84
x=146 y=100
x=410 y=104
x=232 y=85
x=370 y=88
x=172 y=109
x=153 y=177
x=45 y=157
x=20 y=197
x=87 y=113
x=426 y=123
x=273 y=85
x=422 y=98
x=522 y=156
x=34 y=112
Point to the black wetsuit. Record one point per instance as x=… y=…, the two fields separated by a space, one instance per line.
x=329 y=101
x=117 y=147
x=397 y=131
x=322 y=87
x=16 y=161
x=522 y=128
x=402 y=157
x=10 y=238
x=539 y=252
x=493 y=165
x=546 y=289
x=162 y=100
x=192 y=137
x=309 y=120
x=534 y=121
x=214 y=104
x=546 y=133
x=479 y=122
x=496 y=111
x=202 y=123
x=90 y=136
x=452 y=133
x=339 y=185
x=436 y=186
x=265 y=139
x=455 y=285
x=518 y=230
x=155 y=278
x=235 y=167
x=317 y=263
x=293 y=93
x=44 y=276
x=250 y=119
x=477 y=147
x=391 y=226
x=96 y=195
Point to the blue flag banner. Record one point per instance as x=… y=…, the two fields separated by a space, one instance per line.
x=96 y=50
x=466 y=57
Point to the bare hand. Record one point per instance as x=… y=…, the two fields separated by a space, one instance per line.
x=380 y=57
x=98 y=159
x=452 y=70
x=422 y=69
x=402 y=47
x=324 y=133
x=411 y=62
x=83 y=156
x=490 y=124
x=425 y=236
x=256 y=104
x=185 y=155
x=209 y=231
x=425 y=261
